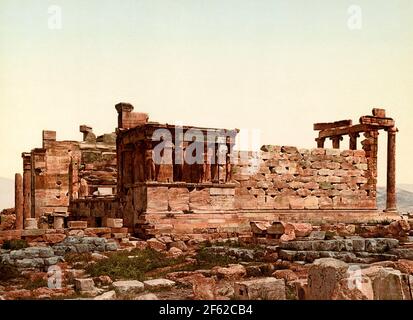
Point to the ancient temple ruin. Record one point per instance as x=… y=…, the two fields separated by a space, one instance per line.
x=116 y=176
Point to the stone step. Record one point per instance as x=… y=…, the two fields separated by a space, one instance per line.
x=373 y=245
x=349 y=257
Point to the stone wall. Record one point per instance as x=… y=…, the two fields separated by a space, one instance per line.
x=98 y=167
x=63 y=171
x=52 y=187
x=288 y=178
x=93 y=210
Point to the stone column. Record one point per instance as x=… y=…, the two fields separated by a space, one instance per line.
x=27 y=186
x=353 y=141
x=320 y=142
x=18 y=200
x=336 y=141
x=391 y=203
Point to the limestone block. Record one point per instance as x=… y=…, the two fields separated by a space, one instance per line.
x=296 y=203
x=113 y=223
x=157 y=284
x=260 y=289
x=30 y=223
x=128 y=287
x=77 y=224
x=311 y=202
x=85 y=284
x=281 y=202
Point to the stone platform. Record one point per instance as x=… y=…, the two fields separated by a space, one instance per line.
x=238 y=221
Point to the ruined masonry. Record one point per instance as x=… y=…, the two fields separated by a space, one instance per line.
x=100 y=180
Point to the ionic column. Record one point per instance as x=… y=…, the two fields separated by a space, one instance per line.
x=391 y=202
x=353 y=141
x=27 y=186
x=18 y=200
x=336 y=141
x=320 y=142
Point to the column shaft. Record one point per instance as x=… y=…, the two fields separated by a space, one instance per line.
x=18 y=200
x=391 y=202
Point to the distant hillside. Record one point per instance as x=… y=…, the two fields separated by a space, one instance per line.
x=6 y=193
x=404 y=198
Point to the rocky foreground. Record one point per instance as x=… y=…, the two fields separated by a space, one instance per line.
x=280 y=261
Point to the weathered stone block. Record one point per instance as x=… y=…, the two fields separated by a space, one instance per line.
x=77 y=224
x=311 y=203
x=178 y=199
x=113 y=223
x=86 y=284
x=157 y=284
x=260 y=289
x=128 y=287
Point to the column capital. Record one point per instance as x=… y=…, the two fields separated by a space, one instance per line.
x=392 y=130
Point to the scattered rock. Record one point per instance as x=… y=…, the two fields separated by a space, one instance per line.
x=175 y=252
x=317 y=235
x=110 y=295
x=232 y=272
x=157 y=284
x=147 y=296
x=155 y=244
x=179 y=244
x=128 y=286
x=287 y=274
x=86 y=284
x=203 y=287
x=103 y=280
x=97 y=256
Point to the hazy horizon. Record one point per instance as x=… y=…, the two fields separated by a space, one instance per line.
x=276 y=66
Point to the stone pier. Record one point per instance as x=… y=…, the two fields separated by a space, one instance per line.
x=391 y=203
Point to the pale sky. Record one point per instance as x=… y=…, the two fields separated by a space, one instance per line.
x=277 y=66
